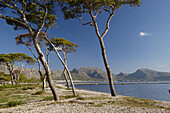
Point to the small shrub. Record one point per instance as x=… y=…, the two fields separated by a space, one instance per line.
x=91 y=102
x=99 y=105
x=68 y=89
x=14 y=103
x=39 y=92
x=111 y=102
x=6 y=86
x=81 y=98
x=24 y=88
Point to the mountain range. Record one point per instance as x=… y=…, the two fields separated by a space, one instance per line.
x=96 y=74
x=144 y=75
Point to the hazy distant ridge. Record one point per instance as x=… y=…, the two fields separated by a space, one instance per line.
x=144 y=75
x=96 y=74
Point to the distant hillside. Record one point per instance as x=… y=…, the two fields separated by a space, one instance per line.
x=86 y=73
x=28 y=72
x=90 y=73
x=144 y=75
x=96 y=74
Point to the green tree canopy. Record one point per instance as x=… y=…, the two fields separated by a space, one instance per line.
x=32 y=10
x=75 y=8
x=16 y=57
x=63 y=44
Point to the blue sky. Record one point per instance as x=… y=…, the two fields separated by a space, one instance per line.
x=138 y=38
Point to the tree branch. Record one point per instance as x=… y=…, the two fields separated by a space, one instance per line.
x=13 y=19
x=84 y=10
x=43 y=21
x=32 y=52
x=107 y=10
x=95 y=24
x=23 y=6
x=25 y=23
x=96 y=13
x=11 y=7
x=107 y=23
x=88 y=23
x=7 y=5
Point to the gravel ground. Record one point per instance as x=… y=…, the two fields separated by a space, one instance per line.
x=75 y=105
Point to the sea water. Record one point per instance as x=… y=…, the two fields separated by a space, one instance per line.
x=148 y=91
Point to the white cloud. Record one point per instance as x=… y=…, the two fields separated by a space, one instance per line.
x=145 y=34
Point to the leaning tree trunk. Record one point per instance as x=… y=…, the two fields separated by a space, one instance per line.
x=43 y=78
x=71 y=80
x=109 y=73
x=66 y=79
x=47 y=69
x=68 y=72
x=64 y=72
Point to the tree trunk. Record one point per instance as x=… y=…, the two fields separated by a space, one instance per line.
x=109 y=73
x=43 y=80
x=10 y=69
x=68 y=72
x=19 y=74
x=100 y=37
x=71 y=80
x=44 y=84
x=66 y=79
x=64 y=72
x=12 y=79
x=17 y=79
x=47 y=69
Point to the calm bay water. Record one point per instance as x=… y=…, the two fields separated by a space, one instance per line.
x=149 y=91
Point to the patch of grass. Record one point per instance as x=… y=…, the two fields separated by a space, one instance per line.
x=48 y=98
x=111 y=102
x=68 y=89
x=136 y=102
x=4 y=99
x=5 y=86
x=38 y=92
x=25 y=88
x=59 y=87
x=15 y=93
x=18 y=92
x=99 y=105
x=96 y=98
x=81 y=98
x=16 y=96
x=14 y=103
x=91 y=103
x=67 y=97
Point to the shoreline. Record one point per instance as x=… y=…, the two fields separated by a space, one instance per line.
x=123 y=83
x=91 y=102
x=77 y=82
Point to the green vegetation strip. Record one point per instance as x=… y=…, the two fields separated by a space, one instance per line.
x=22 y=94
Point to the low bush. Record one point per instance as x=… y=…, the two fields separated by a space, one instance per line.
x=24 y=88
x=14 y=103
x=99 y=105
x=39 y=92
